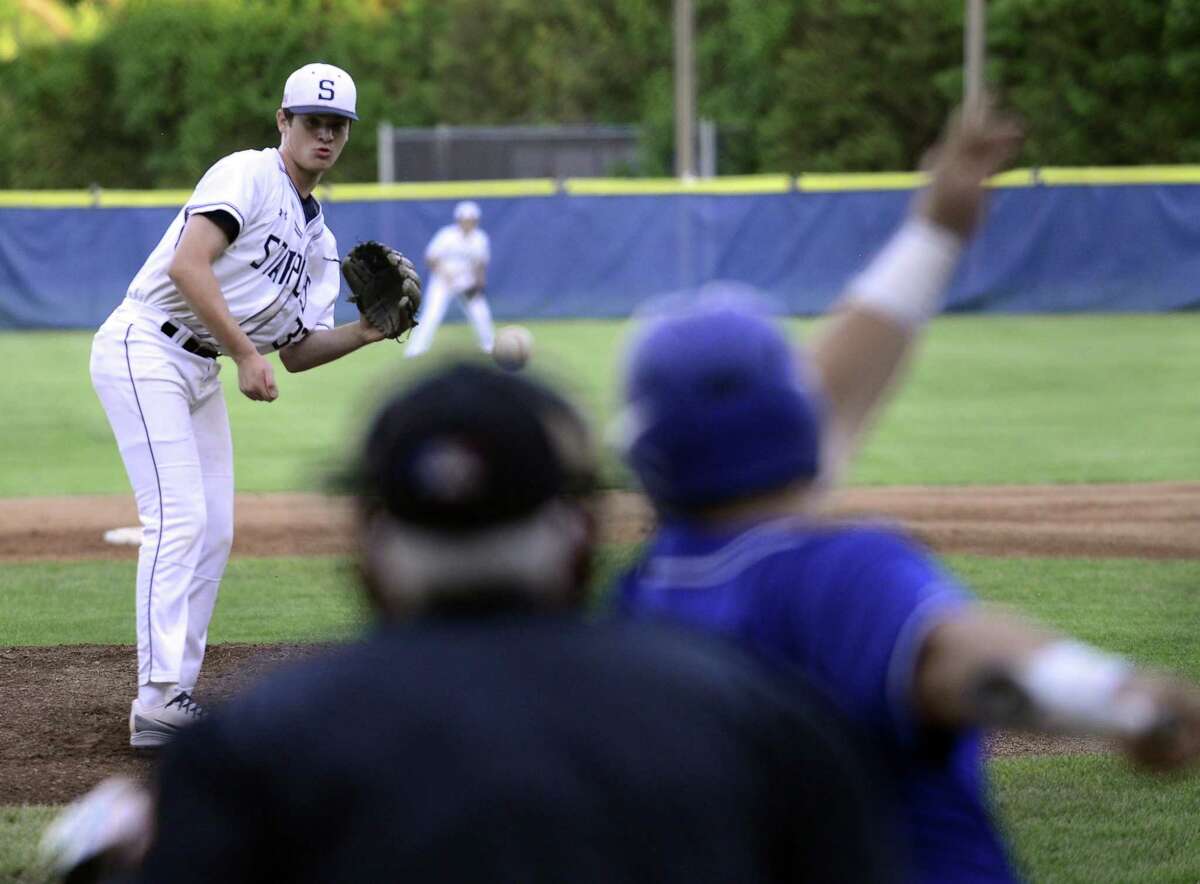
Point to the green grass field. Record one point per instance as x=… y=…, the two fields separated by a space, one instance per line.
x=1093 y=820
x=1147 y=609
x=991 y=400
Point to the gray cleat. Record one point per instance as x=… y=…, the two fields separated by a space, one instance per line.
x=152 y=727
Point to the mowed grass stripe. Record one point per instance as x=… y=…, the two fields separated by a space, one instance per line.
x=1096 y=820
x=20 y=831
x=1149 y=610
x=262 y=600
x=992 y=399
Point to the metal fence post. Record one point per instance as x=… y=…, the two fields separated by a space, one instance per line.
x=386 y=153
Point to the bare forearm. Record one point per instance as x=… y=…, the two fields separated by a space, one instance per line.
x=199 y=287
x=862 y=350
x=859 y=356
x=1000 y=672
x=326 y=345
x=958 y=652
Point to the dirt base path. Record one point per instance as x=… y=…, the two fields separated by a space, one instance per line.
x=1141 y=520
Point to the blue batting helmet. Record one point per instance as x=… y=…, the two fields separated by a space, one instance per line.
x=717 y=407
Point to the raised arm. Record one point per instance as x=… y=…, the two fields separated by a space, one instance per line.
x=860 y=353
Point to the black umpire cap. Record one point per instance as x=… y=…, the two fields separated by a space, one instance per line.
x=469 y=447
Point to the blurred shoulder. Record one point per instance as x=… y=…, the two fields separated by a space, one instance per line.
x=876 y=539
x=247 y=162
x=792 y=540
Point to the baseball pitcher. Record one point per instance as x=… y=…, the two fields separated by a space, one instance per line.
x=246 y=268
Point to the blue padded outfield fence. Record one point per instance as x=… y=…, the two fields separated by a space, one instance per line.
x=1057 y=240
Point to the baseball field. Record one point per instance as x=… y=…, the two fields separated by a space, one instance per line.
x=1052 y=460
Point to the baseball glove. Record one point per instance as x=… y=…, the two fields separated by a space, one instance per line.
x=385 y=287
x=473 y=292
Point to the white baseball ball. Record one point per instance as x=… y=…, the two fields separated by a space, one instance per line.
x=513 y=347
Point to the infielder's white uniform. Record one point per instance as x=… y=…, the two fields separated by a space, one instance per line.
x=457 y=255
x=280 y=278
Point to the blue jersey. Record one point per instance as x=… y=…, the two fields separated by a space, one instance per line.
x=849 y=607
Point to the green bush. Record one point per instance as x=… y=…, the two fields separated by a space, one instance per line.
x=170 y=86
x=1094 y=79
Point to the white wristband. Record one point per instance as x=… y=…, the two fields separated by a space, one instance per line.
x=1078 y=689
x=907 y=280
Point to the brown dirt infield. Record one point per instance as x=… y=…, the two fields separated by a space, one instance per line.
x=63 y=709
x=66 y=709
x=1154 y=520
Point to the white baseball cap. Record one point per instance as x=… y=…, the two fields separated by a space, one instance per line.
x=466 y=210
x=320 y=89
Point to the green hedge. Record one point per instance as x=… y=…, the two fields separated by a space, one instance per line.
x=167 y=86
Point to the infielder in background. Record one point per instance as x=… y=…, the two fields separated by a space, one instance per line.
x=486 y=729
x=736 y=438
x=246 y=268
x=458 y=257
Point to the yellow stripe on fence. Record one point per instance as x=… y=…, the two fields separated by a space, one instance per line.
x=434 y=190
x=731 y=184
x=142 y=199
x=821 y=182
x=1014 y=178
x=45 y=199
x=1116 y=175
x=108 y=199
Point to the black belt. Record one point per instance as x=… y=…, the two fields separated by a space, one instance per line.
x=191 y=344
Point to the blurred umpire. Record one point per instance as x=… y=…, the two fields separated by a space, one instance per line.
x=486 y=731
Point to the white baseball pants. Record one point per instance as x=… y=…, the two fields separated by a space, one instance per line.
x=168 y=414
x=434 y=302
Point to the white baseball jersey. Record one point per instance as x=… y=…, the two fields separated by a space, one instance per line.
x=280 y=276
x=458 y=254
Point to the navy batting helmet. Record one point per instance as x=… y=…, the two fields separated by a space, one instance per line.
x=717 y=407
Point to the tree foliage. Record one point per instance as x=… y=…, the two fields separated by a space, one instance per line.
x=170 y=86
x=1094 y=79
x=162 y=88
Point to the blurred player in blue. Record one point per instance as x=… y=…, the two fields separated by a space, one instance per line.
x=736 y=438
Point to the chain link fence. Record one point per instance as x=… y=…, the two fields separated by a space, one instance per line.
x=486 y=153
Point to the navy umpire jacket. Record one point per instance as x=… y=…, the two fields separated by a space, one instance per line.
x=518 y=749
